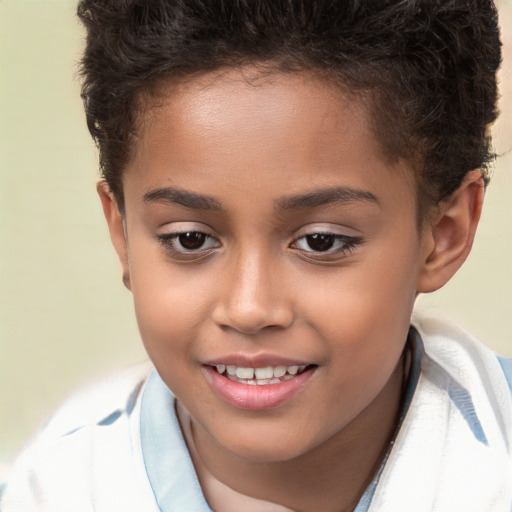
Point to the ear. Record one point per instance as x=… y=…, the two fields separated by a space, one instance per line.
x=116 y=227
x=449 y=238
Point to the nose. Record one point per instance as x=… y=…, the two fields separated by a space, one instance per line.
x=252 y=296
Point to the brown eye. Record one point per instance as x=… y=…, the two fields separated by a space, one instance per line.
x=192 y=240
x=188 y=243
x=326 y=246
x=320 y=242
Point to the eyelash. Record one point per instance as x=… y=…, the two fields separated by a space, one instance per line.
x=169 y=241
x=345 y=245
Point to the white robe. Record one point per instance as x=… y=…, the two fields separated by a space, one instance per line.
x=452 y=453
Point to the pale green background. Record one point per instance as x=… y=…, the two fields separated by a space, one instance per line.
x=65 y=318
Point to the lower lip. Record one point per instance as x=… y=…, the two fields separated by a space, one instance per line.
x=255 y=397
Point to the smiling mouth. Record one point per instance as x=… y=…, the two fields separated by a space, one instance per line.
x=260 y=376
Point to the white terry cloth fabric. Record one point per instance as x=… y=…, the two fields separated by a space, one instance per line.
x=87 y=459
x=453 y=451
x=451 y=454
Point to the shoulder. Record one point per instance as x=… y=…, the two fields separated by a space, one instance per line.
x=454 y=447
x=89 y=444
x=97 y=403
x=457 y=350
x=458 y=362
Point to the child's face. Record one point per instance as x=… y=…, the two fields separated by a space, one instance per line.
x=302 y=249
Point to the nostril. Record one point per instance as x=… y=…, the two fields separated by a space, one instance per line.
x=253 y=320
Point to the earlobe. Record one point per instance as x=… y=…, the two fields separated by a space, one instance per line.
x=448 y=240
x=115 y=222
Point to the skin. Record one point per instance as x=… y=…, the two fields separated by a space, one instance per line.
x=256 y=287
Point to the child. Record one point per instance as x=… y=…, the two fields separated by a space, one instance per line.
x=281 y=179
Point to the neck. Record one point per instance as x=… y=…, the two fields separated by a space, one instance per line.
x=331 y=477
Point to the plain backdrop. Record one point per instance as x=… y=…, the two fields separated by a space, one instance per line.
x=65 y=318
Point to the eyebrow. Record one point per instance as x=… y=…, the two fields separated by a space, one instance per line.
x=325 y=196
x=313 y=199
x=182 y=197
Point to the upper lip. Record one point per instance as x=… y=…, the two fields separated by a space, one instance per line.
x=255 y=361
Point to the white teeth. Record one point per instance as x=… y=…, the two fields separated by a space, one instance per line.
x=260 y=376
x=245 y=373
x=279 y=371
x=264 y=373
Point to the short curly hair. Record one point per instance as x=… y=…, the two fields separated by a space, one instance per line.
x=429 y=67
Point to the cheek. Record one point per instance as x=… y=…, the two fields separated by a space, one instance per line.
x=169 y=305
x=168 y=321
x=373 y=294
x=368 y=312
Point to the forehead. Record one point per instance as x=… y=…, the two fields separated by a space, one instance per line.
x=251 y=99
x=274 y=123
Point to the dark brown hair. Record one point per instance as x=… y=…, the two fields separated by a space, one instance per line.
x=429 y=67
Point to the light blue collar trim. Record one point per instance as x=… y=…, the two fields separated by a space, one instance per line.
x=168 y=463
x=416 y=349
x=506 y=366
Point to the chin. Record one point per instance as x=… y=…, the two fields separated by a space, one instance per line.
x=268 y=449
